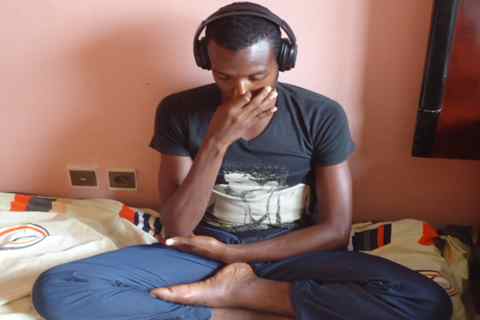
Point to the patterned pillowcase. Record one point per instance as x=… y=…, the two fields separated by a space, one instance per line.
x=412 y=243
x=146 y=222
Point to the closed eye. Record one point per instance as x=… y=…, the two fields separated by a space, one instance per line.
x=258 y=77
x=254 y=77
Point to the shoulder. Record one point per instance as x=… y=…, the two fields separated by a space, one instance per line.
x=310 y=102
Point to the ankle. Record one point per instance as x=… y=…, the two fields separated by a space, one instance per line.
x=266 y=296
x=242 y=314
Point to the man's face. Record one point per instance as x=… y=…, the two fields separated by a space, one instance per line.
x=248 y=69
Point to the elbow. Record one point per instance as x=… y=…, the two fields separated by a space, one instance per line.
x=342 y=232
x=172 y=231
x=173 y=228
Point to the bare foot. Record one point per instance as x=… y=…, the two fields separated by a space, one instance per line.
x=239 y=314
x=218 y=291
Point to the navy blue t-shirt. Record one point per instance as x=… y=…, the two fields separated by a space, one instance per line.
x=307 y=130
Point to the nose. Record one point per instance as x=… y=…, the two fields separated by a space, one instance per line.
x=241 y=87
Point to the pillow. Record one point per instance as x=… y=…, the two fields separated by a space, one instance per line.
x=37 y=233
x=411 y=243
x=108 y=217
x=32 y=242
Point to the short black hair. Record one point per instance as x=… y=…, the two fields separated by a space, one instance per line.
x=242 y=31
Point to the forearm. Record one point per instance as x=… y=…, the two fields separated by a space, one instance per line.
x=185 y=208
x=314 y=238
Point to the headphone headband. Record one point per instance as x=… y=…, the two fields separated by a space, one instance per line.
x=270 y=17
x=288 y=48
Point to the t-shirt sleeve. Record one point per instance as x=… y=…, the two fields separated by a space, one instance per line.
x=170 y=133
x=332 y=142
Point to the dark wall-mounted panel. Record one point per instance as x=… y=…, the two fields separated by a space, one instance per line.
x=448 y=121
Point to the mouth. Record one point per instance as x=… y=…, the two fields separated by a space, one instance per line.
x=256 y=92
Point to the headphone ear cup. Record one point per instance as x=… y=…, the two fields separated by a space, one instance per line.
x=201 y=54
x=287 y=54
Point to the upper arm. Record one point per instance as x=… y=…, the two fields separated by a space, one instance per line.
x=170 y=139
x=333 y=145
x=332 y=140
x=334 y=193
x=173 y=171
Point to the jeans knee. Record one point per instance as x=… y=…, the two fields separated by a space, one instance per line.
x=39 y=293
x=439 y=304
x=48 y=291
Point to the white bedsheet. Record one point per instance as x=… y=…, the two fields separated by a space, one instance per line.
x=32 y=242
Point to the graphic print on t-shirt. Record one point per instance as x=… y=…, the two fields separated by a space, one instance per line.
x=256 y=198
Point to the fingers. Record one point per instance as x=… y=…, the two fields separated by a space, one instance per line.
x=236 y=116
x=242 y=100
x=259 y=99
x=267 y=107
x=263 y=105
x=262 y=95
x=245 y=104
x=268 y=113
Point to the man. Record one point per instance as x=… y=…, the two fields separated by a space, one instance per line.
x=256 y=205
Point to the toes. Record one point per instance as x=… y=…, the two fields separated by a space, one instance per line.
x=160 y=293
x=166 y=294
x=182 y=294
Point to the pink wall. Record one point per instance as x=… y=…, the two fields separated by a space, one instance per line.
x=80 y=81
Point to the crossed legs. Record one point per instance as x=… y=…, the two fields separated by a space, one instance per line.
x=117 y=285
x=329 y=285
x=234 y=286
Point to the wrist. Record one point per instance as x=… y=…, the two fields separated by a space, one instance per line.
x=234 y=253
x=215 y=145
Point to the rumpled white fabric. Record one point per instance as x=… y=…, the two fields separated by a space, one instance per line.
x=68 y=239
x=449 y=272
x=76 y=229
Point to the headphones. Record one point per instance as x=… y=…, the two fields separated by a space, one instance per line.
x=287 y=52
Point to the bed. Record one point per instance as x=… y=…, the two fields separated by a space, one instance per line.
x=38 y=232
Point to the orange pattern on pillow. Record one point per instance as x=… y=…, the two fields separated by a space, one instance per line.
x=429 y=234
x=20 y=203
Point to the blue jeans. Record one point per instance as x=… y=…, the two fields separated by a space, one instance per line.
x=326 y=285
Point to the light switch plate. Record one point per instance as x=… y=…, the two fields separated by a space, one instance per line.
x=122 y=179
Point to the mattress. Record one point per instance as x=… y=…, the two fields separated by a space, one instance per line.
x=37 y=233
